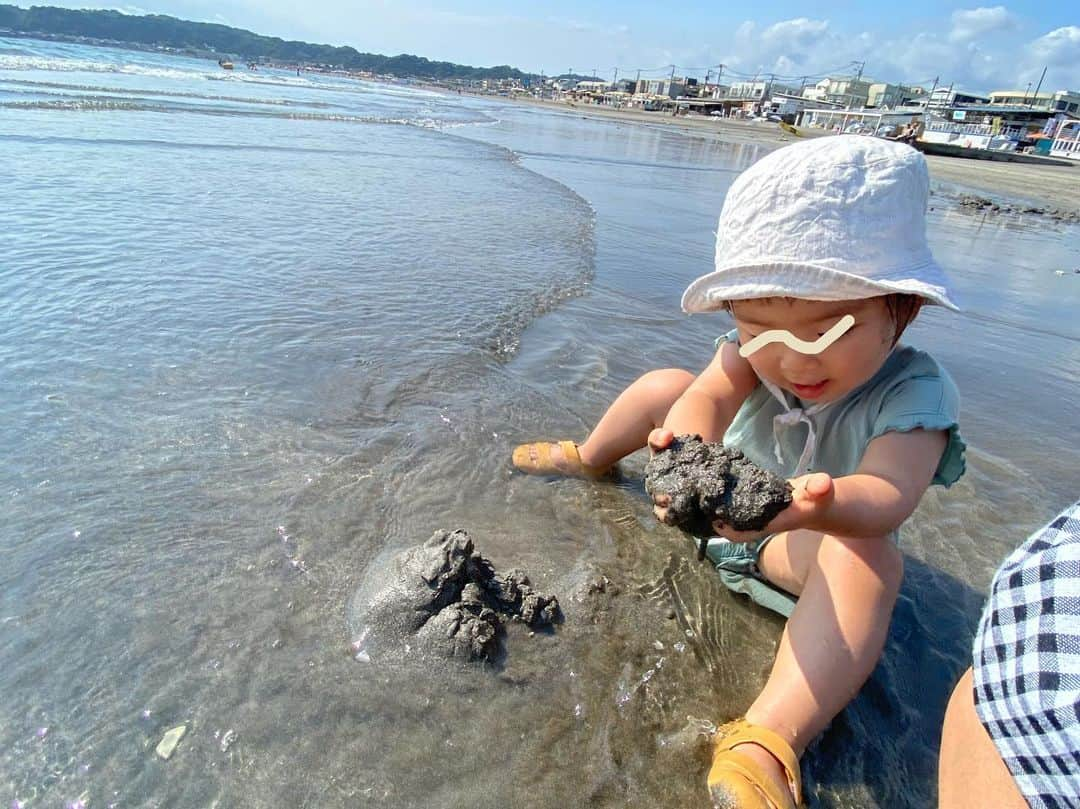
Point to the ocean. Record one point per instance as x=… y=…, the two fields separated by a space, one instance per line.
x=262 y=331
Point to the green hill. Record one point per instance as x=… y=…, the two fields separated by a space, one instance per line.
x=156 y=30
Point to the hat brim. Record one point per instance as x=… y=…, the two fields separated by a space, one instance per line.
x=811 y=281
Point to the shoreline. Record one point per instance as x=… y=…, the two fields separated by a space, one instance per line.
x=1054 y=188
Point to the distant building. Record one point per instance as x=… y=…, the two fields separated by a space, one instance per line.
x=595 y=86
x=943 y=98
x=756 y=90
x=846 y=91
x=792 y=104
x=672 y=88
x=1062 y=101
x=883 y=94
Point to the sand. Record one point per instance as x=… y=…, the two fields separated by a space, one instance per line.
x=443 y=599
x=1050 y=186
x=707 y=482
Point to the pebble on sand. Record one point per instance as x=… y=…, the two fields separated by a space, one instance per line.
x=169 y=741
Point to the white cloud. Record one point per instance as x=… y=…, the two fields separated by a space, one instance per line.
x=1060 y=48
x=798 y=33
x=787 y=47
x=573 y=25
x=1059 y=53
x=969 y=24
x=983 y=50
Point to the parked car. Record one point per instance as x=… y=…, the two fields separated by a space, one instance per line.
x=774 y=116
x=886 y=131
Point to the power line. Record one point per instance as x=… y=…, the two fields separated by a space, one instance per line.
x=730 y=73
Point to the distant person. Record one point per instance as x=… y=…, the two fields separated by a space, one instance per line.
x=1012 y=730
x=821 y=238
x=904 y=135
x=910 y=133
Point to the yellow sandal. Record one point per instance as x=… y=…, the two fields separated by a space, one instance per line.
x=544 y=464
x=739 y=782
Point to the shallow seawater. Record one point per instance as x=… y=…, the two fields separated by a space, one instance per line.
x=263 y=331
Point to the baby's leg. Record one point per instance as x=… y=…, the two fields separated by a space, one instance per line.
x=847 y=589
x=637 y=411
x=626 y=425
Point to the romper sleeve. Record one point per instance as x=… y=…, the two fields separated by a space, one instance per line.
x=730 y=337
x=925 y=398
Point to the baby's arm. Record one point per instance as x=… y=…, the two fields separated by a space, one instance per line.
x=883 y=492
x=712 y=400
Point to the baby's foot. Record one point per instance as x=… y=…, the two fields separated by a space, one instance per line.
x=769 y=765
x=555 y=458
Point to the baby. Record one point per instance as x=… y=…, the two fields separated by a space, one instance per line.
x=822 y=261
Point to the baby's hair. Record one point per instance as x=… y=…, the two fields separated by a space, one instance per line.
x=902 y=308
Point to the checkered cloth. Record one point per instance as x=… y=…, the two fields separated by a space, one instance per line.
x=1027 y=664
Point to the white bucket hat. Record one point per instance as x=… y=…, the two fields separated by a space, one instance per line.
x=834 y=218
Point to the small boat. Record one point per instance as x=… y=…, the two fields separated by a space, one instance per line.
x=225 y=63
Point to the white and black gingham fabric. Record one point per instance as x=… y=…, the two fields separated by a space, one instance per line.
x=1027 y=664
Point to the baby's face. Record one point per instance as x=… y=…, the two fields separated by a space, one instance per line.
x=827 y=375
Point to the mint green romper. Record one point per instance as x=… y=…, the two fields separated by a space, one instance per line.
x=910 y=391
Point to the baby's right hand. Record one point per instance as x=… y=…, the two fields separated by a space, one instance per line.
x=660 y=439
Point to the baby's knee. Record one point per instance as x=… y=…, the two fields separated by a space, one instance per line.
x=876 y=559
x=667 y=382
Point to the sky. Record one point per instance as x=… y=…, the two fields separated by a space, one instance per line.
x=972 y=47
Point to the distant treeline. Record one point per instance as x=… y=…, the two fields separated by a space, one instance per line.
x=159 y=30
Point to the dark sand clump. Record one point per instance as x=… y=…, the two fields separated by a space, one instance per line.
x=444 y=598
x=710 y=483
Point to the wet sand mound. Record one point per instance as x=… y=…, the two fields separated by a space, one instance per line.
x=710 y=482
x=444 y=598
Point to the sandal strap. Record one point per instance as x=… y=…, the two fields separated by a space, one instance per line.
x=742 y=732
x=570 y=452
x=748 y=769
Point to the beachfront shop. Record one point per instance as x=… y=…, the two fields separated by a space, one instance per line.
x=1066 y=141
x=999 y=127
x=859 y=122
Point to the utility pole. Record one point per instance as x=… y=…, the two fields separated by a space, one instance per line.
x=861 y=65
x=929 y=98
x=615 y=78
x=1035 y=99
x=671 y=83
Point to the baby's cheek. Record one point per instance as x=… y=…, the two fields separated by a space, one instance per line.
x=762 y=367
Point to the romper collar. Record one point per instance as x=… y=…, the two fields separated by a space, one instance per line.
x=790 y=417
x=804 y=415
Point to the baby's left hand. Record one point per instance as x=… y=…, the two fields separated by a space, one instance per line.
x=811 y=497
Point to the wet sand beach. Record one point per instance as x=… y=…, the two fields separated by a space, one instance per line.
x=1049 y=186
